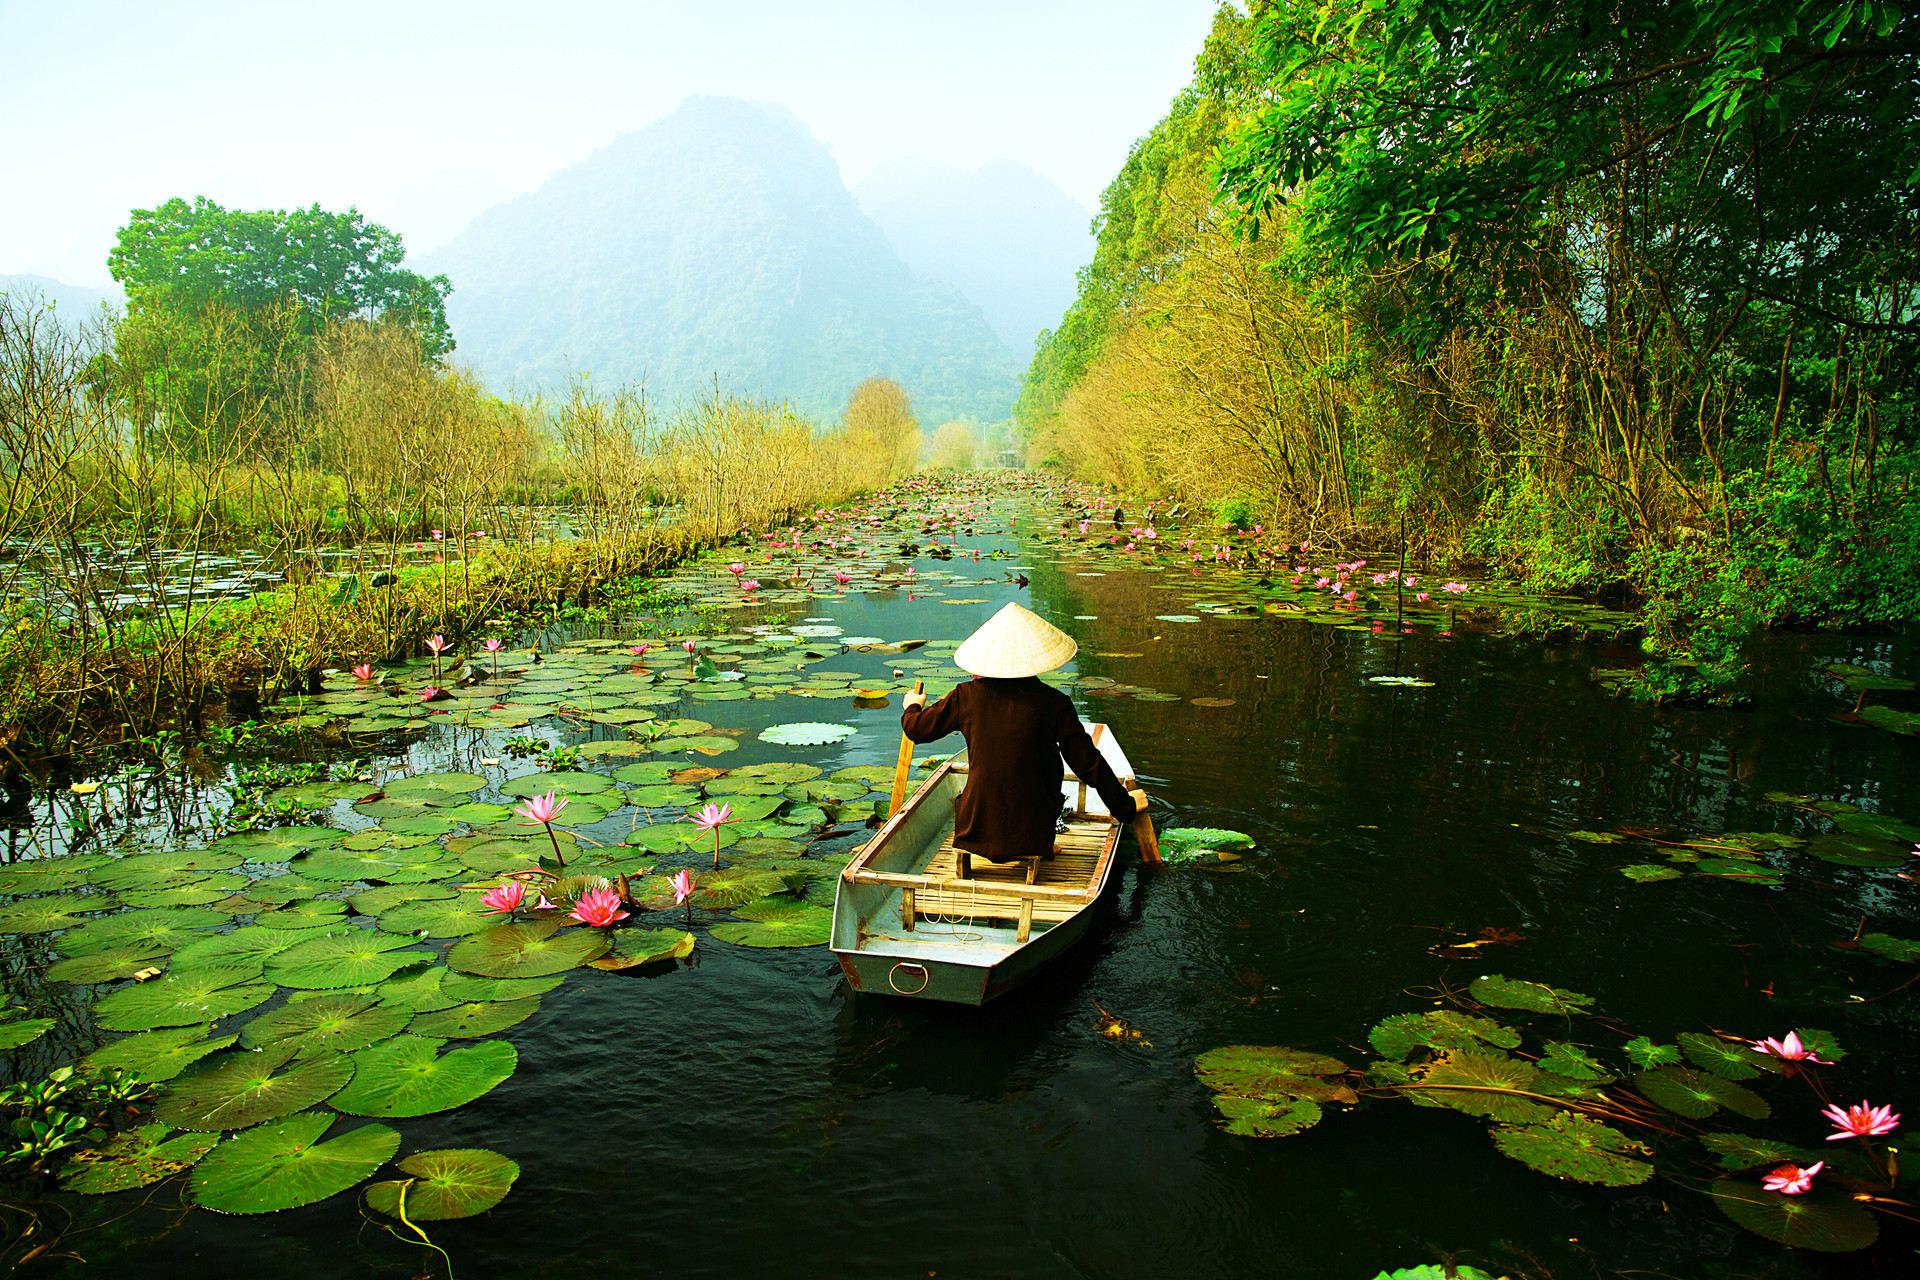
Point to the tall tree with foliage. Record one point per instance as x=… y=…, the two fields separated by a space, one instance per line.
x=224 y=307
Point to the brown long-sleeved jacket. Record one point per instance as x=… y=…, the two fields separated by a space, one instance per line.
x=1016 y=732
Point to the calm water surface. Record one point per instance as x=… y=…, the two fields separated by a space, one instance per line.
x=747 y=1115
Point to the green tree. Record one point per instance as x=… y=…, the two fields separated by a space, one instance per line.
x=225 y=309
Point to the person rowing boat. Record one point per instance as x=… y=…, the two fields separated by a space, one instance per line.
x=1017 y=729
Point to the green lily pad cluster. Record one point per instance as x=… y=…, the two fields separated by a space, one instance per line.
x=1563 y=1108
x=1854 y=839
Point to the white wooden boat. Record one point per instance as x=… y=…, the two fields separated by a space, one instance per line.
x=904 y=924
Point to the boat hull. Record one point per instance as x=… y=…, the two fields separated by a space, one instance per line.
x=925 y=975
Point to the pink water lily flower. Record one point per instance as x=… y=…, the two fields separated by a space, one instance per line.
x=504 y=900
x=1453 y=588
x=640 y=650
x=439 y=535
x=687 y=645
x=1791 y=1179
x=438 y=643
x=1423 y=597
x=682 y=885
x=1788 y=1048
x=843 y=578
x=736 y=568
x=364 y=671
x=600 y=907
x=429 y=693
x=492 y=646
x=749 y=584
x=1863 y=1121
x=713 y=815
x=540 y=810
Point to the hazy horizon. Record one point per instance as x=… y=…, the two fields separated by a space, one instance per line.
x=453 y=109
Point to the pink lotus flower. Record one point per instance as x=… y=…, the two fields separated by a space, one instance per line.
x=687 y=645
x=1423 y=597
x=842 y=578
x=600 y=907
x=749 y=584
x=492 y=646
x=541 y=810
x=736 y=568
x=429 y=693
x=640 y=650
x=1410 y=579
x=1130 y=546
x=1789 y=1049
x=364 y=671
x=1349 y=596
x=504 y=900
x=438 y=644
x=1791 y=1179
x=1862 y=1121
x=713 y=815
x=439 y=535
x=1083 y=526
x=1453 y=588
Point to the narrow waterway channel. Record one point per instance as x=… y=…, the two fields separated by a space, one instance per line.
x=741 y=1112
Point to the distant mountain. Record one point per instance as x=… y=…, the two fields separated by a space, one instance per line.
x=717 y=240
x=1006 y=237
x=72 y=302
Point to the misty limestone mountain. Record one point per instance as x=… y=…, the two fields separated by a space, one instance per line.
x=1006 y=237
x=717 y=240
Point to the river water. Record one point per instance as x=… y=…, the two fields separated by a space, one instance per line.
x=744 y=1113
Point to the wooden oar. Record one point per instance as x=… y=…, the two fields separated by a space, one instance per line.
x=1143 y=830
x=906 y=763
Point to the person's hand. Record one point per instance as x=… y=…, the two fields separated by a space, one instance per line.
x=912 y=700
x=1139 y=800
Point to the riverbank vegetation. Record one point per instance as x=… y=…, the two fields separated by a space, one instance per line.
x=1607 y=297
x=393 y=495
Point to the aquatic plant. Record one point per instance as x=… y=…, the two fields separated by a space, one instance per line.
x=541 y=811
x=1567 y=1113
x=711 y=818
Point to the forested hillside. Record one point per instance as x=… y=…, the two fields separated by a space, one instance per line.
x=1603 y=294
x=718 y=242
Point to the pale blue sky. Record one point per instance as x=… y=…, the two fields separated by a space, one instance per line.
x=424 y=113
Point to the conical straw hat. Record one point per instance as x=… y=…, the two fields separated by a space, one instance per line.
x=1015 y=642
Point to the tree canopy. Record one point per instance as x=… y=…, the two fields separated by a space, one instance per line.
x=332 y=265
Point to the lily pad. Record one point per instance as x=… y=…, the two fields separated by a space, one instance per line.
x=1648 y=871
x=446 y=1184
x=135 y=1158
x=634 y=947
x=247 y=1088
x=371 y=902
x=440 y=918
x=179 y=999
x=807 y=734
x=285 y=1165
x=735 y=887
x=416 y=990
x=465 y=988
x=329 y=1023
x=277 y=844
x=254 y=944
x=1860 y=851
x=1696 y=1094
x=1825 y=1219
x=526 y=950
x=1488 y=1086
x=776 y=923
x=1258 y=1070
x=358 y=958
x=159 y=1055
x=44 y=915
x=408 y=1076
x=1881 y=944
x=462 y=783
x=1264 y=1118
x=107 y=966
x=1643 y=1052
x=480 y=1018
x=566 y=783
x=1572 y=1146
x=1730 y=1060
x=23 y=1031
x=1536 y=997
x=1739 y=1151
